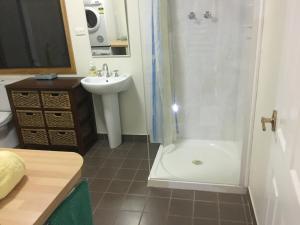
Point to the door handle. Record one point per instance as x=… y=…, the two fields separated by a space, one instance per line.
x=272 y=121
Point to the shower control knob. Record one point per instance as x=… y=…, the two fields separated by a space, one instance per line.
x=192 y=16
x=207 y=15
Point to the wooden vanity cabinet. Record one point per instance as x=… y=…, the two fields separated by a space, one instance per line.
x=53 y=114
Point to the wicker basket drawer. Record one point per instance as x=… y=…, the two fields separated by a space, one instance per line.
x=56 y=99
x=29 y=99
x=59 y=119
x=35 y=136
x=30 y=118
x=63 y=137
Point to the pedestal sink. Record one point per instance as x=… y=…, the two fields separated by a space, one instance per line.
x=108 y=88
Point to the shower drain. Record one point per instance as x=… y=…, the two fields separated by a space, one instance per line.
x=197 y=162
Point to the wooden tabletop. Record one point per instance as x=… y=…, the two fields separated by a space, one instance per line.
x=50 y=176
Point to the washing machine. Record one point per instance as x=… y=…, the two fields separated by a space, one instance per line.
x=94 y=12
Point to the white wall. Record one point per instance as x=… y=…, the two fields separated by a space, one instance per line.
x=132 y=102
x=146 y=39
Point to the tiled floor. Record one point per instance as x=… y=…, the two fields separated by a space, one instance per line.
x=120 y=195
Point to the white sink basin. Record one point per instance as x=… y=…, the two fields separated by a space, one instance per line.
x=106 y=85
x=108 y=88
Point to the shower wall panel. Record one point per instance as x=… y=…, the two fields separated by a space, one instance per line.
x=209 y=66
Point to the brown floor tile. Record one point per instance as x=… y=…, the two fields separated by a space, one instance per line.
x=89 y=180
x=102 y=152
x=89 y=171
x=104 y=217
x=111 y=201
x=120 y=196
x=118 y=186
x=101 y=142
x=140 y=147
x=200 y=221
x=252 y=212
x=231 y=198
x=183 y=194
x=181 y=207
x=126 y=145
x=140 y=138
x=248 y=214
x=247 y=198
x=153 y=219
x=153 y=150
x=90 y=153
x=206 y=210
x=206 y=196
x=138 y=154
x=95 y=198
x=94 y=161
x=107 y=173
x=232 y=223
x=177 y=220
x=160 y=192
x=144 y=165
x=128 y=218
x=113 y=163
x=125 y=174
x=151 y=162
x=99 y=185
x=233 y=212
x=157 y=206
x=131 y=163
x=141 y=175
x=138 y=188
x=133 y=203
x=118 y=154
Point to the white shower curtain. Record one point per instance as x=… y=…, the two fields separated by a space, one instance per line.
x=163 y=118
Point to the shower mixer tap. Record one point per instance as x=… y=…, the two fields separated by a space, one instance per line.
x=208 y=15
x=192 y=16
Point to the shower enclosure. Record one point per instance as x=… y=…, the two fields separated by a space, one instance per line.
x=202 y=75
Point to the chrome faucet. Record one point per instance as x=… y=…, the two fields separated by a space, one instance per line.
x=105 y=70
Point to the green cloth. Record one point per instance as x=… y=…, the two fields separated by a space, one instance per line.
x=75 y=209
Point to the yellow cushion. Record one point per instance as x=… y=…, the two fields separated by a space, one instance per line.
x=12 y=169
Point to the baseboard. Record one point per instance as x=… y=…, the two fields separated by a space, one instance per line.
x=127 y=138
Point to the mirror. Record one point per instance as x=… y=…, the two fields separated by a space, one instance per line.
x=107 y=26
x=34 y=37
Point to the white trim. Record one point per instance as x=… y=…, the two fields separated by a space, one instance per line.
x=152 y=182
x=246 y=158
x=165 y=183
x=254 y=96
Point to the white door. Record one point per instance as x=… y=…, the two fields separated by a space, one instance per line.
x=275 y=164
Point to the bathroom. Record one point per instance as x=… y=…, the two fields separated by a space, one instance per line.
x=186 y=113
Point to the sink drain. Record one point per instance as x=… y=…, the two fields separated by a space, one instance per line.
x=197 y=162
